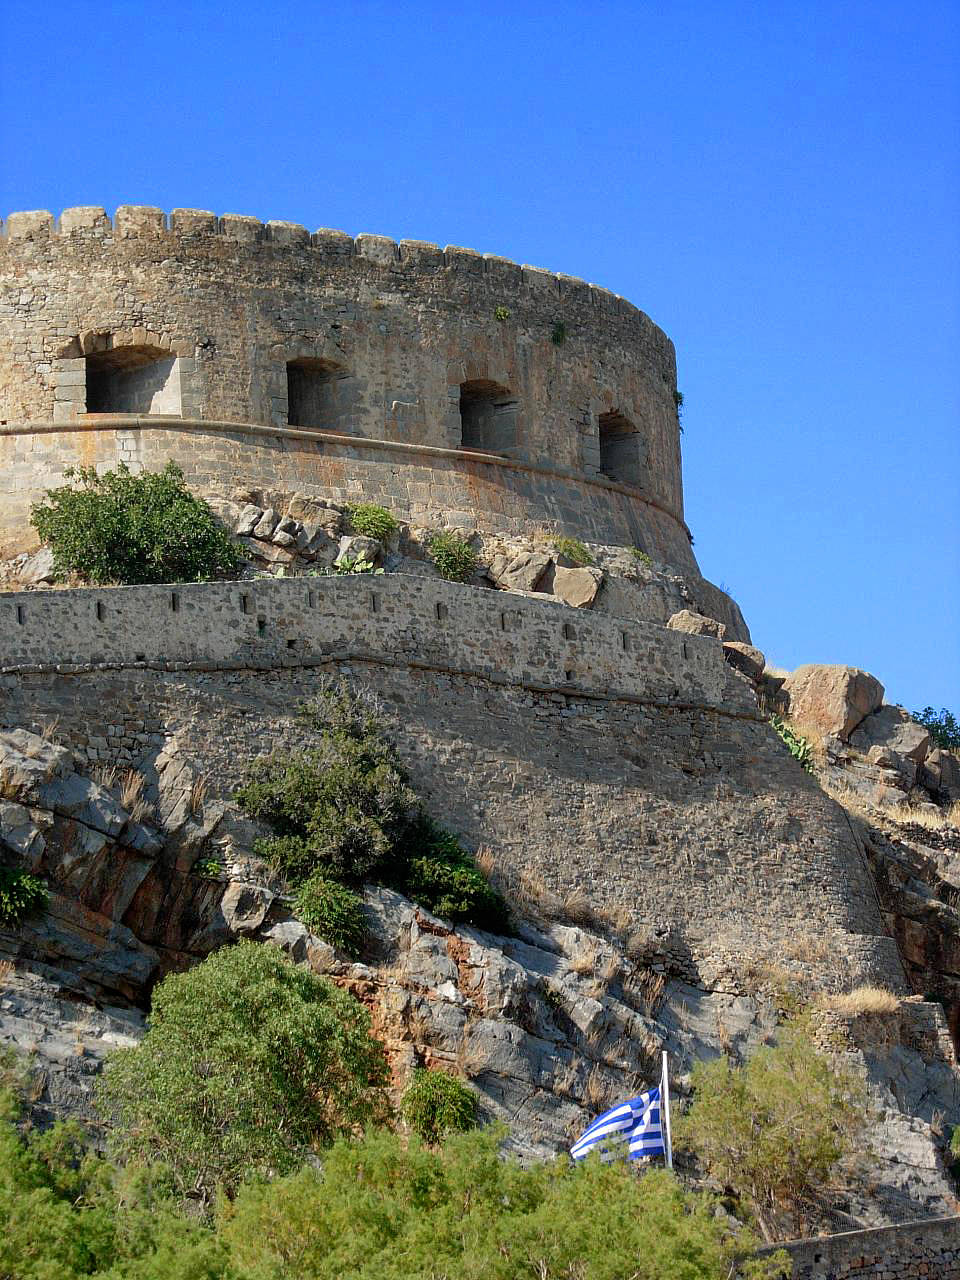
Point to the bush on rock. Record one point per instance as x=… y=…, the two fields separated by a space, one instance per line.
x=124 y=528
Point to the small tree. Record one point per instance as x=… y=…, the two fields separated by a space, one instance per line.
x=249 y=1063
x=126 y=528
x=943 y=726
x=773 y=1129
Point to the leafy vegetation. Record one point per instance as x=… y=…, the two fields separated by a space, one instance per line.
x=250 y=1063
x=796 y=743
x=501 y=313
x=333 y=912
x=573 y=549
x=943 y=727
x=379 y=1209
x=642 y=557
x=774 y=1129
x=454 y=557
x=436 y=1104
x=441 y=875
x=373 y=521
x=344 y=811
x=21 y=895
x=126 y=528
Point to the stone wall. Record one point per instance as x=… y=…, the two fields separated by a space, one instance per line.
x=269 y=623
x=910 y=1251
x=390 y=342
x=642 y=776
x=420 y=483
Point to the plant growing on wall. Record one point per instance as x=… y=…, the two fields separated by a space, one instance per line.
x=333 y=912
x=344 y=812
x=501 y=313
x=641 y=557
x=124 y=528
x=373 y=521
x=454 y=557
x=796 y=743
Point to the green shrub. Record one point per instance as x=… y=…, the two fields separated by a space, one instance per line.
x=120 y=527
x=21 y=895
x=373 y=521
x=774 y=1129
x=795 y=743
x=501 y=313
x=383 y=1209
x=435 y=1104
x=642 y=557
x=250 y=1062
x=454 y=557
x=341 y=809
x=440 y=875
x=333 y=912
x=943 y=727
x=573 y=549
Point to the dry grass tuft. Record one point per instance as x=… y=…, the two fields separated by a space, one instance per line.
x=486 y=861
x=583 y=961
x=6 y=969
x=597 y=1092
x=131 y=788
x=863 y=1000
x=576 y=906
x=198 y=794
x=106 y=775
x=50 y=730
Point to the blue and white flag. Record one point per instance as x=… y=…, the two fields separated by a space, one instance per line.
x=634 y=1125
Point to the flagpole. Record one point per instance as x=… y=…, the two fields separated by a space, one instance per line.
x=665 y=1103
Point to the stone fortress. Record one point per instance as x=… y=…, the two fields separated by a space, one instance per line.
x=595 y=752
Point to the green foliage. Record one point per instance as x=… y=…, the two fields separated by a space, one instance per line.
x=773 y=1129
x=501 y=313
x=454 y=557
x=641 y=557
x=333 y=912
x=795 y=743
x=344 y=811
x=209 y=868
x=120 y=527
x=249 y=1063
x=21 y=895
x=441 y=875
x=381 y=1210
x=373 y=521
x=558 y=334
x=573 y=549
x=943 y=727
x=435 y=1104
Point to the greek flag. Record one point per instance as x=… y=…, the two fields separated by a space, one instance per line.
x=635 y=1123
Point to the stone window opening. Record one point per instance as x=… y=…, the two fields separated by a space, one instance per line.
x=133 y=379
x=621 y=449
x=318 y=394
x=488 y=416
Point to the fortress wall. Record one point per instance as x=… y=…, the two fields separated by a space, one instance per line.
x=416 y=482
x=399 y=329
x=291 y=622
x=908 y=1251
x=697 y=825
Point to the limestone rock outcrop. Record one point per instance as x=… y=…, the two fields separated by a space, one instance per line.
x=696 y=624
x=894 y=728
x=831 y=699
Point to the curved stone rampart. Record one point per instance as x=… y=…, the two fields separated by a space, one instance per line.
x=420 y=483
x=271 y=623
x=230 y=321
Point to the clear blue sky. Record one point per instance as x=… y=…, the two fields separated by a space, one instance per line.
x=776 y=184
